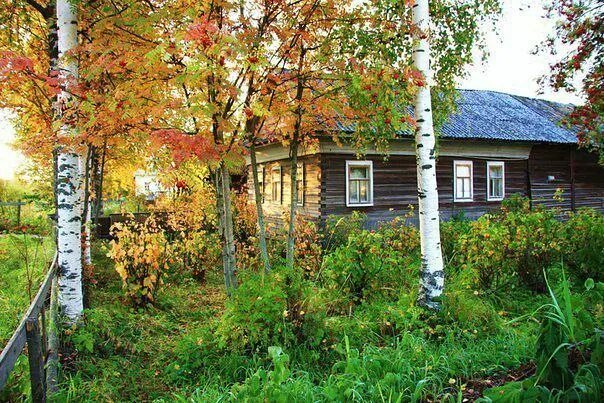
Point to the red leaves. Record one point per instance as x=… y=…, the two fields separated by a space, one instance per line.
x=184 y=146
x=11 y=62
x=203 y=32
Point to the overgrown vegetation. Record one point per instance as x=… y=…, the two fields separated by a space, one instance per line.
x=24 y=259
x=346 y=327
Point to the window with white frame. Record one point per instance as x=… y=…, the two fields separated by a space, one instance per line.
x=463 y=181
x=359 y=183
x=300 y=184
x=495 y=180
x=276 y=183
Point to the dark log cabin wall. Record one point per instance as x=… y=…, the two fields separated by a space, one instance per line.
x=395 y=186
x=559 y=176
x=566 y=178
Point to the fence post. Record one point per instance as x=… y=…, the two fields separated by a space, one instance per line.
x=36 y=359
x=19 y=213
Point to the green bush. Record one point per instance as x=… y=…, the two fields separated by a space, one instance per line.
x=339 y=228
x=372 y=264
x=584 y=245
x=512 y=247
x=276 y=309
x=450 y=231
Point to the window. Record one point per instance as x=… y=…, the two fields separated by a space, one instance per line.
x=261 y=181
x=359 y=183
x=300 y=184
x=495 y=180
x=463 y=181
x=276 y=183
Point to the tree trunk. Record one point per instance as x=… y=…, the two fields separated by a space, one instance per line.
x=69 y=219
x=293 y=205
x=293 y=155
x=225 y=227
x=432 y=274
x=260 y=212
x=86 y=205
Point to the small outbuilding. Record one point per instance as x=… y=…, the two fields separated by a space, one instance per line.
x=494 y=146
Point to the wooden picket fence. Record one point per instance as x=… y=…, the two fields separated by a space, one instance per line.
x=38 y=332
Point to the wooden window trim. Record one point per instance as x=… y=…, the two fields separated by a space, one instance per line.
x=300 y=179
x=457 y=163
x=356 y=163
x=489 y=165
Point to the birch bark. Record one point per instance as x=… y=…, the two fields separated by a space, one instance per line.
x=432 y=274
x=69 y=218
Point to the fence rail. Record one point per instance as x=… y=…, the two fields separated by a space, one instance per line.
x=40 y=338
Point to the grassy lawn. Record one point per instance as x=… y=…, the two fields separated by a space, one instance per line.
x=169 y=352
x=24 y=260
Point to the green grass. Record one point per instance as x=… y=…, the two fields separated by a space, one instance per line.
x=167 y=353
x=24 y=260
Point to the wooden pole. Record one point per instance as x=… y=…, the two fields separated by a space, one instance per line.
x=572 y=180
x=19 y=213
x=36 y=359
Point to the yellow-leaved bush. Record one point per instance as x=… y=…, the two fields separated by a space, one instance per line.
x=139 y=252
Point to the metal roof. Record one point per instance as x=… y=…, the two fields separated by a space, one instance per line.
x=491 y=115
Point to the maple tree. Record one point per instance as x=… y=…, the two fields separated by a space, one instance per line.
x=580 y=27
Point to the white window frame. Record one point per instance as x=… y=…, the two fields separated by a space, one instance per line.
x=300 y=179
x=277 y=168
x=457 y=163
x=489 y=165
x=365 y=164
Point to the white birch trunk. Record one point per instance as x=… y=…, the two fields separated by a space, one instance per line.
x=432 y=274
x=69 y=214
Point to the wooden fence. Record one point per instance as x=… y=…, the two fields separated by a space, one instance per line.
x=38 y=332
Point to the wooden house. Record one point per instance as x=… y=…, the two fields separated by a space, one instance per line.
x=494 y=146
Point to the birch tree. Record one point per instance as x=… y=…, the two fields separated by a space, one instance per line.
x=432 y=273
x=69 y=212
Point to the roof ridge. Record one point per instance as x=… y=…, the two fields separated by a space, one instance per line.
x=514 y=96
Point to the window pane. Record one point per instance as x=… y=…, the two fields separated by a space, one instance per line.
x=359 y=173
x=354 y=192
x=364 y=191
x=496 y=171
x=459 y=188
x=467 y=191
x=496 y=188
x=463 y=171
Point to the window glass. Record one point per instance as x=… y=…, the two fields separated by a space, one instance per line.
x=360 y=186
x=495 y=181
x=463 y=180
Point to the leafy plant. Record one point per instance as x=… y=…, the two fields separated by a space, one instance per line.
x=139 y=255
x=569 y=352
x=584 y=245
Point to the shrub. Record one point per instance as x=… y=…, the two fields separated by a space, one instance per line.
x=450 y=233
x=584 y=245
x=339 y=228
x=513 y=246
x=139 y=254
x=197 y=252
x=276 y=309
x=372 y=264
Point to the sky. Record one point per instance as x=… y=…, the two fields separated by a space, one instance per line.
x=511 y=67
